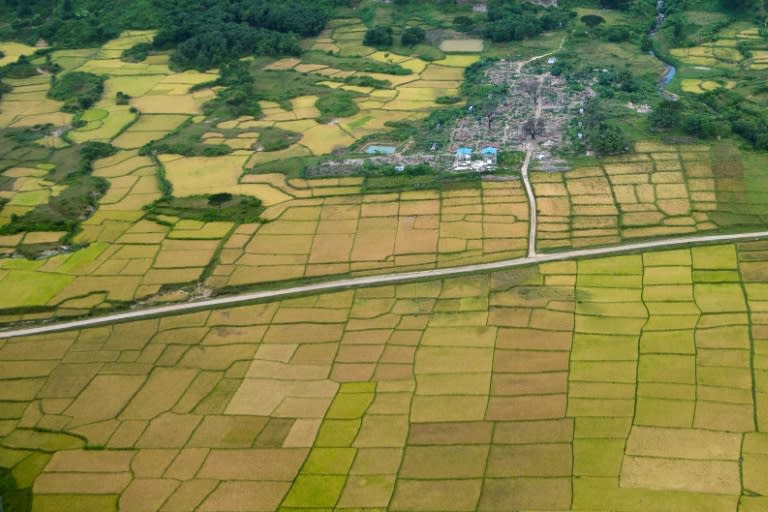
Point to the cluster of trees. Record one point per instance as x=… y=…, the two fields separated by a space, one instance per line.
x=207 y=33
x=211 y=48
x=4 y=88
x=237 y=98
x=221 y=206
x=611 y=82
x=336 y=104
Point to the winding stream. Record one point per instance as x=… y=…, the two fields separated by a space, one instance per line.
x=669 y=70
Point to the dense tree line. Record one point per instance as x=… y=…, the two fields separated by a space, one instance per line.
x=75 y=23
x=512 y=20
x=207 y=33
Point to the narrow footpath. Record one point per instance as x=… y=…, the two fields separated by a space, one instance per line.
x=533 y=215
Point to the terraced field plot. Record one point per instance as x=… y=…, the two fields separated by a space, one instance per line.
x=622 y=383
x=27 y=105
x=661 y=190
x=697 y=86
x=723 y=53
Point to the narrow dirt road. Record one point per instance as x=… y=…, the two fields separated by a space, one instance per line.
x=533 y=209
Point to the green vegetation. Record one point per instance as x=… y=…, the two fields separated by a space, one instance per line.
x=336 y=104
x=18 y=146
x=75 y=23
x=4 y=89
x=205 y=34
x=209 y=208
x=22 y=68
x=389 y=178
x=367 y=81
x=275 y=139
x=187 y=140
x=14 y=498
x=515 y=21
x=136 y=53
x=290 y=167
x=78 y=90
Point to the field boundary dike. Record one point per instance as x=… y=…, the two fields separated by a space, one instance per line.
x=392 y=278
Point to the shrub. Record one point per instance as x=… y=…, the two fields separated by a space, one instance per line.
x=447 y=100
x=121 y=98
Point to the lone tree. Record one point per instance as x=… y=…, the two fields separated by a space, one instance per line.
x=592 y=20
x=485 y=102
x=531 y=87
x=219 y=198
x=533 y=127
x=608 y=139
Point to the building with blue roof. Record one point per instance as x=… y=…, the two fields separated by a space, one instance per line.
x=463 y=157
x=490 y=155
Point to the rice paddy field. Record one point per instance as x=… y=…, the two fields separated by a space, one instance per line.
x=333 y=230
x=659 y=190
x=628 y=383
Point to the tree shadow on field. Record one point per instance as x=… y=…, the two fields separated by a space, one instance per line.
x=13 y=499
